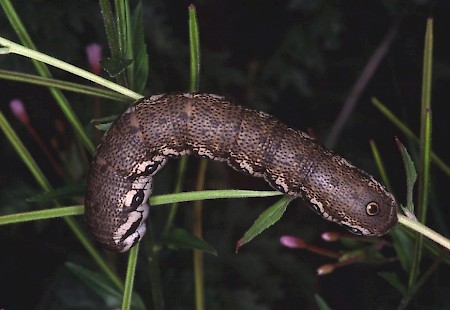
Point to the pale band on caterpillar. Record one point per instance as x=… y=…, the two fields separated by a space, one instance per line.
x=164 y=126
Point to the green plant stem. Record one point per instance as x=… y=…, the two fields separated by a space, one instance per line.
x=194 y=47
x=194 y=43
x=129 y=280
x=424 y=230
x=380 y=165
x=199 y=281
x=41 y=214
x=407 y=132
x=64 y=85
x=210 y=194
x=154 y=201
x=425 y=149
x=14 y=48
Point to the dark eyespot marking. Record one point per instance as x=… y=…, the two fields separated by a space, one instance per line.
x=354 y=230
x=138 y=198
x=372 y=208
x=151 y=168
x=315 y=208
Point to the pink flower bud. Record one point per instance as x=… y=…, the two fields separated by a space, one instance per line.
x=94 y=55
x=325 y=269
x=331 y=236
x=292 y=242
x=19 y=111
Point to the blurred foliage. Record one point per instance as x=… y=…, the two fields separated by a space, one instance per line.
x=295 y=59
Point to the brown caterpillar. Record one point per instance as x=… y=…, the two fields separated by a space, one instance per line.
x=157 y=128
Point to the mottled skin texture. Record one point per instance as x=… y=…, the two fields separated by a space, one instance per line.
x=163 y=126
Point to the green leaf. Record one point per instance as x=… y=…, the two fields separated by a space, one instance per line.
x=98 y=283
x=180 y=238
x=411 y=176
x=104 y=123
x=140 y=55
x=321 y=303
x=63 y=192
x=110 y=27
x=101 y=286
x=115 y=65
x=103 y=127
x=403 y=247
x=393 y=280
x=265 y=220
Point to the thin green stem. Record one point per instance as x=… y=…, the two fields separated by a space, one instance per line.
x=129 y=280
x=154 y=201
x=407 y=132
x=210 y=194
x=194 y=43
x=64 y=85
x=380 y=165
x=199 y=278
x=425 y=149
x=18 y=49
x=194 y=46
x=41 y=214
x=424 y=230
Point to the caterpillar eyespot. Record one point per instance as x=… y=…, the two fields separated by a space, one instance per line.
x=372 y=208
x=157 y=128
x=354 y=230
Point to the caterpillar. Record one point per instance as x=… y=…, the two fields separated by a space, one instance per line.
x=157 y=128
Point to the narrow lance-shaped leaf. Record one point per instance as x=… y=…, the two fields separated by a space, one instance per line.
x=180 y=238
x=265 y=220
x=411 y=177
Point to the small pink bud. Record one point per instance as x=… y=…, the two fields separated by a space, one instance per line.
x=292 y=242
x=94 y=55
x=19 y=110
x=325 y=269
x=331 y=236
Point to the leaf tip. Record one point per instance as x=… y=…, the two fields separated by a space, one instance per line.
x=239 y=243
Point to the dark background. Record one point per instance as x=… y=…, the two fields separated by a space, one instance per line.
x=295 y=59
